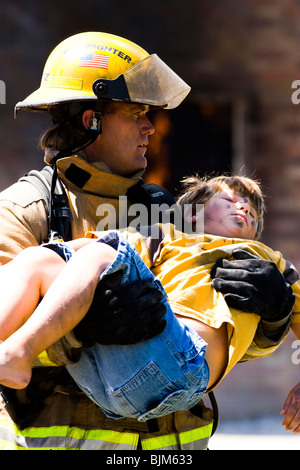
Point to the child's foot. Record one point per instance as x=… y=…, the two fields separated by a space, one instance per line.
x=15 y=371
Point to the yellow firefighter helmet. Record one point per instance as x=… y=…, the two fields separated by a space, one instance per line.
x=101 y=66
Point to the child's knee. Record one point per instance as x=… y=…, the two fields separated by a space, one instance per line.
x=37 y=254
x=97 y=256
x=36 y=258
x=100 y=251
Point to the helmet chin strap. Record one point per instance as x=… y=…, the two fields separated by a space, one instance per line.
x=88 y=138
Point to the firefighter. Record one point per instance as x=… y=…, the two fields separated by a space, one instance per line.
x=97 y=89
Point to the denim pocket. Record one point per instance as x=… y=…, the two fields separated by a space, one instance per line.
x=143 y=392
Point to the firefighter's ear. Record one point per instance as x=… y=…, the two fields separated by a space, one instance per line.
x=87 y=118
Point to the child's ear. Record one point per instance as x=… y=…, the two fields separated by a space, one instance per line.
x=191 y=218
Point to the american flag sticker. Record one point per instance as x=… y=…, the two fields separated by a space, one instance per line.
x=94 y=60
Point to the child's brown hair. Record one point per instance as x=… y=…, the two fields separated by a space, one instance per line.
x=198 y=190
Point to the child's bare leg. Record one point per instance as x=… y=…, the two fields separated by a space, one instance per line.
x=23 y=281
x=63 y=306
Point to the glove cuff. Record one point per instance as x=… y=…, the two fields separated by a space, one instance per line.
x=277 y=329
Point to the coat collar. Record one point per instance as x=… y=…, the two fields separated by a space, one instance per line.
x=95 y=178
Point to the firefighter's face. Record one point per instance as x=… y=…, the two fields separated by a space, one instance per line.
x=124 y=139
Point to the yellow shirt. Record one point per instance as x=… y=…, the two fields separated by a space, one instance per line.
x=183 y=263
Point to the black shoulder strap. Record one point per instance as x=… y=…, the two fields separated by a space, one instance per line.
x=41 y=180
x=59 y=214
x=148 y=194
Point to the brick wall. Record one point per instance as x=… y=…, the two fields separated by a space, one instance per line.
x=252 y=48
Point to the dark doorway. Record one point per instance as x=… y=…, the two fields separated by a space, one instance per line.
x=193 y=138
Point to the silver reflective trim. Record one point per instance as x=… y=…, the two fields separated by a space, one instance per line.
x=12 y=441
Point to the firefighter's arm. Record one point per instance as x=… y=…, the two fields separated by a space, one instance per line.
x=254 y=285
x=21 y=226
x=130 y=313
x=291 y=407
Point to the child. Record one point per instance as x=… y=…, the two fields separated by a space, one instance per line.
x=198 y=346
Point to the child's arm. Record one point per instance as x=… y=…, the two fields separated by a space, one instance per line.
x=291 y=410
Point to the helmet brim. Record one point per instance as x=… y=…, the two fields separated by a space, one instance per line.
x=150 y=82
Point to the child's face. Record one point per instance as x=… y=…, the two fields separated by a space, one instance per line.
x=228 y=214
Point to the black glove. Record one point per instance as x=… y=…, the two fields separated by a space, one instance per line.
x=253 y=285
x=122 y=314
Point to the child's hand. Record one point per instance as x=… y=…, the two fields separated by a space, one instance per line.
x=291 y=411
